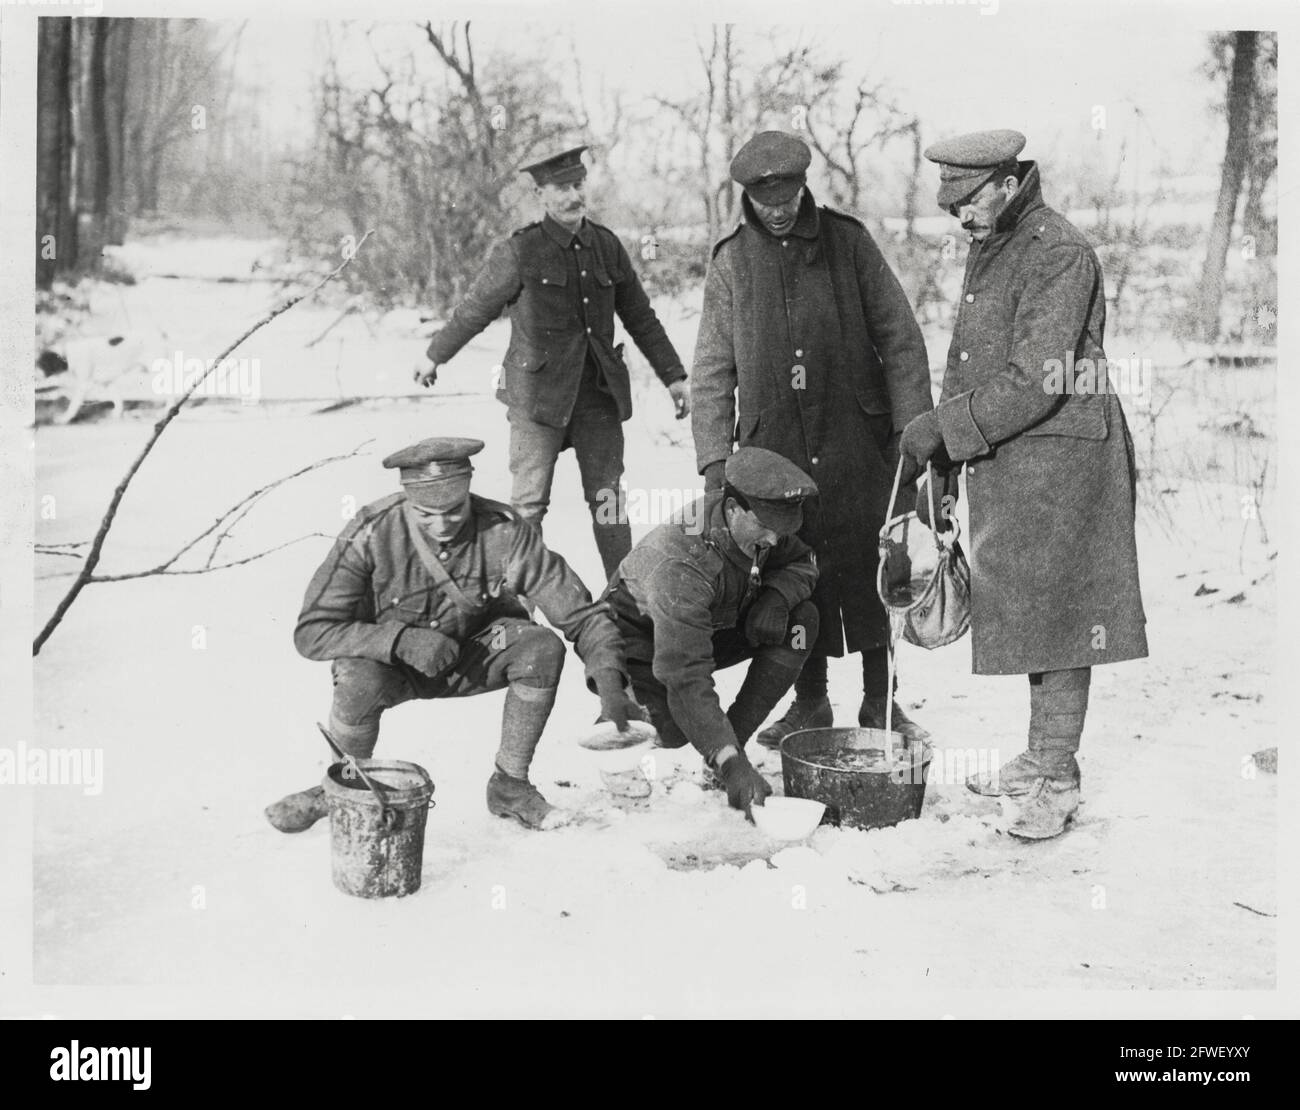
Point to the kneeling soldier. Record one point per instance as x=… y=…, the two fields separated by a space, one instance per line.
x=418 y=599
x=723 y=582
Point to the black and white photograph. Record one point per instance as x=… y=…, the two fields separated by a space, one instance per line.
x=637 y=511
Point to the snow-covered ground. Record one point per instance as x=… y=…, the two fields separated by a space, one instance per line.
x=204 y=713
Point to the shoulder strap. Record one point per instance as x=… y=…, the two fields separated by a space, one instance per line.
x=466 y=604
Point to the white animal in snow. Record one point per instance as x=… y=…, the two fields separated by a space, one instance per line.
x=89 y=365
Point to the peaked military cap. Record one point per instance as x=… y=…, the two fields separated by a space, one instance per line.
x=431 y=460
x=771 y=166
x=967 y=161
x=559 y=169
x=774 y=487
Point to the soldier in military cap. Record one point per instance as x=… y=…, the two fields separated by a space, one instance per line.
x=1054 y=576
x=419 y=599
x=808 y=347
x=725 y=581
x=564 y=381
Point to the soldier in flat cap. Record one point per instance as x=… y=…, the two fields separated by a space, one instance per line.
x=564 y=381
x=1050 y=473
x=723 y=582
x=419 y=599
x=807 y=330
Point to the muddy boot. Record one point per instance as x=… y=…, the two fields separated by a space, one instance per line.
x=801 y=714
x=518 y=798
x=1016 y=778
x=298 y=812
x=871 y=714
x=1049 y=807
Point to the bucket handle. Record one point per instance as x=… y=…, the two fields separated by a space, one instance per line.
x=387 y=816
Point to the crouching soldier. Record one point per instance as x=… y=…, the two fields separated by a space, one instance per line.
x=419 y=599
x=723 y=582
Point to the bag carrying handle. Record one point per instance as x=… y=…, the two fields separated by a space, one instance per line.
x=891 y=519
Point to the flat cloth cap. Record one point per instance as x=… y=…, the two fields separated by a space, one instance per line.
x=967 y=161
x=432 y=460
x=774 y=487
x=771 y=166
x=559 y=169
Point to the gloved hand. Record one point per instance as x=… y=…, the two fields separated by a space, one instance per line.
x=430 y=652
x=744 y=785
x=920 y=441
x=768 y=619
x=681 y=395
x=714 y=475
x=615 y=705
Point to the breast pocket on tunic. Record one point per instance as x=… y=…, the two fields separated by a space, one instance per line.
x=403 y=608
x=549 y=300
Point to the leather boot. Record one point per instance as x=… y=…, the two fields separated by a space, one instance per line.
x=1049 y=807
x=508 y=796
x=871 y=714
x=1016 y=778
x=298 y=812
x=802 y=714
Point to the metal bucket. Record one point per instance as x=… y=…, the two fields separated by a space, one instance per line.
x=374 y=852
x=834 y=766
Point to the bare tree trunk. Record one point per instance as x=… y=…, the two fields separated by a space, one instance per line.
x=1241 y=86
x=56 y=246
x=93 y=142
x=913 y=182
x=727 y=188
x=118 y=60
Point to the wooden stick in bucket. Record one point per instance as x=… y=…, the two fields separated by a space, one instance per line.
x=349 y=761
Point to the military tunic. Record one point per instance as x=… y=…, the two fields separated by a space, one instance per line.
x=563 y=289
x=374 y=583
x=682 y=593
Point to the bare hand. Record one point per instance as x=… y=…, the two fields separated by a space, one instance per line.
x=426 y=377
x=680 y=392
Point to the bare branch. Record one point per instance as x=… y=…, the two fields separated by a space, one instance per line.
x=229 y=519
x=110 y=514
x=207 y=569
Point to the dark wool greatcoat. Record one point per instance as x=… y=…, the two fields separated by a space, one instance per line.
x=816 y=335
x=1050 y=474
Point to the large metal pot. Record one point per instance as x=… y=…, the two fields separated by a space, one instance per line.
x=848 y=770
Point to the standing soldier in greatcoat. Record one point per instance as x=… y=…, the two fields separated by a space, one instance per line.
x=808 y=347
x=564 y=381
x=1050 y=472
x=419 y=598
